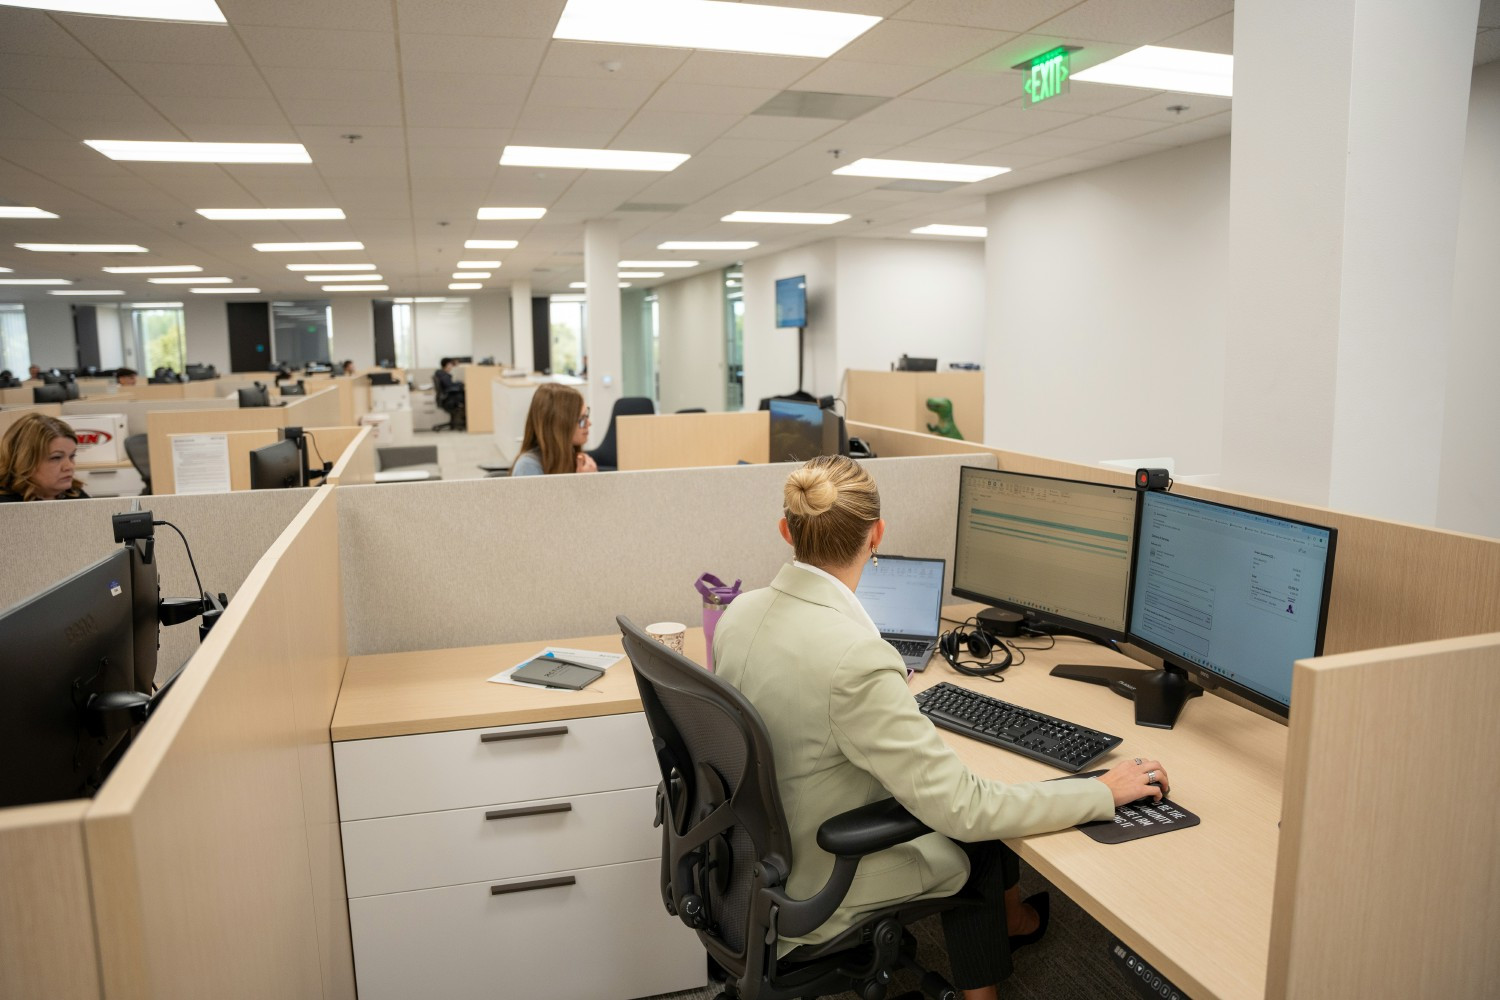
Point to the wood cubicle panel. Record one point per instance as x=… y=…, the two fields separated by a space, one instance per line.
x=344 y=386
x=1389 y=860
x=479 y=395
x=135 y=410
x=47 y=944
x=319 y=408
x=162 y=425
x=18 y=397
x=352 y=450
x=11 y=414
x=241 y=444
x=899 y=399
x=214 y=850
x=692 y=440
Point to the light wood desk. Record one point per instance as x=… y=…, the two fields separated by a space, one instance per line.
x=1195 y=903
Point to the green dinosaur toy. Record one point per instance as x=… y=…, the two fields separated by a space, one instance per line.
x=945 y=426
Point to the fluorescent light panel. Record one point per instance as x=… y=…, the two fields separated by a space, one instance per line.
x=201 y=152
x=155 y=305
x=270 y=214
x=511 y=213
x=642 y=274
x=344 y=277
x=83 y=247
x=35 y=281
x=651 y=265
x=589 y=159
x=469 y=275
x=114 y=291
x=225 y=291
x=356 y=288
x=707 y=245
x=5 y=270
x=921 y=170
x=156 y=269
x=790 y=218
x=306 y=247
x=330 y=267
x=191 y=281
x=22 y=212
x=490 y=244
x=464 y=286
x=938 y=229
x=709 y=24
x=203 y=11
x=1153 y=67
x=478 y=263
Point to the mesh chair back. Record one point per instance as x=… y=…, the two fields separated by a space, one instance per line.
x=722 y=813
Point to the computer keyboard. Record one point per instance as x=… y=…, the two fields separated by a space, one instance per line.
x=910 y=647
x=1011 y=727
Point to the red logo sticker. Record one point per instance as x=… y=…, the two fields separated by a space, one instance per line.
x=87 y=438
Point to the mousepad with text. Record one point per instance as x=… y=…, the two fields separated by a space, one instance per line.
x=1137 y=819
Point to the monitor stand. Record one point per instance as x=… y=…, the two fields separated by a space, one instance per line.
x=1158 y=694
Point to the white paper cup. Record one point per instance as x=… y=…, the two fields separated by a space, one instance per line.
x=669 y=634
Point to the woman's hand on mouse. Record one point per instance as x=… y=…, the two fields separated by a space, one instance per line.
x=1137 y=779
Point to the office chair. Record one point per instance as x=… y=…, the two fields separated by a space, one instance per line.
x=604 y=456
x=726 y=855
x=693 y=409
x=139 y=453
x=449 y=398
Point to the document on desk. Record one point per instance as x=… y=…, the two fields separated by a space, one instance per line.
x=582 y=657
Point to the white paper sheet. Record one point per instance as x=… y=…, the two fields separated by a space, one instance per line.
x=587 y=657
x=200 y=463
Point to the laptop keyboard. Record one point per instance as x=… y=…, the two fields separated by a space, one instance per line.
x=911 y=647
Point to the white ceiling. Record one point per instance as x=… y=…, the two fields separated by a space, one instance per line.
x=436 y=88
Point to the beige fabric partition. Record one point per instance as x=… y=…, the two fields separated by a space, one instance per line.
x=692 y=440
x=899 y=399
x=467 y=562
x=213 y=850
x=318 y=410
x=1389 y=860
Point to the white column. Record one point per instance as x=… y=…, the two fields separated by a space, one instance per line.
x=205 y=321
x=521 y=354
x=601 y=273
x=1349 y=123
x=353 y=338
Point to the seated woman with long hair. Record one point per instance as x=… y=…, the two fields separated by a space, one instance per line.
x=557 y=427
x=37 y=457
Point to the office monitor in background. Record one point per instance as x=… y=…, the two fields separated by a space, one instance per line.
x=256 y=395
x=1055 y=551
x=908 y=364
x=297 y=388
x=93 y=634
x=1230 y=596
x=54 y=393
x=796 y=431
x=791 y=301
x=276 y=466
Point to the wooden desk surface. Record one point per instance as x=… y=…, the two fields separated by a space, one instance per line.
x=1195 y=903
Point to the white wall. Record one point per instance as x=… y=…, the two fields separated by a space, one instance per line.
x=491 y=318
x=353 y=322
x=49 y=327
x=443 y=330
x=111 y=347
x=1105 y=318
x=924 y=298
x=1469 y=480
x=771 y=353
x=205 y=319
x=691 y=343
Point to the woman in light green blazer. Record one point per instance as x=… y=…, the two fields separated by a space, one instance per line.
x=846 y=732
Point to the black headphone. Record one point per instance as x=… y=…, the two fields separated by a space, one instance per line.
x=981 y=646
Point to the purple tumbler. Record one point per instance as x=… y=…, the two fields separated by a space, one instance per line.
x=716 y=597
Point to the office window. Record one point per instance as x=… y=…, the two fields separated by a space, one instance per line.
x=302 y=332
x=15 y=347
x=569 y=346
x=159 y=338
x=734 y=338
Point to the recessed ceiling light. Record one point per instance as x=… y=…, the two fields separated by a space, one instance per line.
x=191 y=281
x=589 y=159
x=201 y=152
x=35 y=281
x=464 y=286
x=205 y=11
x=20 y=212
x=642 y=274
x=577 y=284
x=270 y=214
x=225 y=291
x=651 y=265
x=490 y=244
x=305 y=247
x=82 y=247
x=512 y=213
x=462 y=275
x=154 y=305
x=792 y=218
x=478 y=263
x=707 y=245
x=343 y=277
x=5 y=270
x=156 y=269
x=356 y=288
x=1153 y=67
x=942 y=230
x=76 y=291
x=918 y=170
x=427 y=298
x=330 y=267
x=709 y=24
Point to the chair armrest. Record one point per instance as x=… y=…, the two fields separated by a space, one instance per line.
x=870 y=828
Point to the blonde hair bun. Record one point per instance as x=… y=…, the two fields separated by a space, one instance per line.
x=809 y=492
x=831 y=507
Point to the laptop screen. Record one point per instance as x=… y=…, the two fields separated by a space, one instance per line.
x=903 y=596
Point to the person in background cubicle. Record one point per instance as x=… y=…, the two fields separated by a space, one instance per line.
x=348 y=368
x=36 y=373
x=846 y=732
x=125 y=376
x=444 y=376
x=557 y=427
x=36 y=461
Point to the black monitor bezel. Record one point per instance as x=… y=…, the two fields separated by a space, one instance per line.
x=1205 y=676
x=263 y=454
x=772 y=421
x=1035 y=619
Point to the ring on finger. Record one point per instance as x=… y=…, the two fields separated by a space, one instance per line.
x=1150 y=777
x=1139 y=761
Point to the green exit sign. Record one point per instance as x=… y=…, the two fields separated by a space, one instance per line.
x=1047 y=75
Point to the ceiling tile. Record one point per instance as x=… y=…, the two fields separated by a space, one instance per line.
x=560 y=137
x=76 y=76
x=1025 y=121
x=1156 y=108
x=112 y=38
x=578 y=92
x=335 y=85
x=987 y=86
x=18 y=123
x=778 y=127
x=157 y=80
x=933 y=114
x=1141 y=22
x=1048 y=145
x=1181 y=135
x=914 y=43
x=235 y=131
x=1210 y=36
x=315 y=137
x=634 y=62
x=492 y=139
x=33 y=32
x=324 y=48
x=706 y=98
x=318 y=112
x=1086 y=98
x=217 y=110
x=608 y=120
x=737 y=69
x=370 y=15
x=531 y=19
x=849 y=76
x=1013 y=15
x=439 y=53
x=1102 y=129
x=667 y=124
x=466 y=88
x=960 y=140
x=450 y=114
x=99 y=111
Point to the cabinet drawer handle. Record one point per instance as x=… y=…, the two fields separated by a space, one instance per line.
x=525 y=734
x=555 y=807
x=540 y=883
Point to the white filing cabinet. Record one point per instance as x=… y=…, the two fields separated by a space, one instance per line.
x=517 y=861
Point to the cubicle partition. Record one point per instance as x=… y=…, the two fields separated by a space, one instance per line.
x=135 y=410
x=899 y=399
x=10 y=414
x=692 y=440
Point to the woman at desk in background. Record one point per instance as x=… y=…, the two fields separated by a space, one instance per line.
x=846 y=732
x=36 y=461
x=557 y=427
